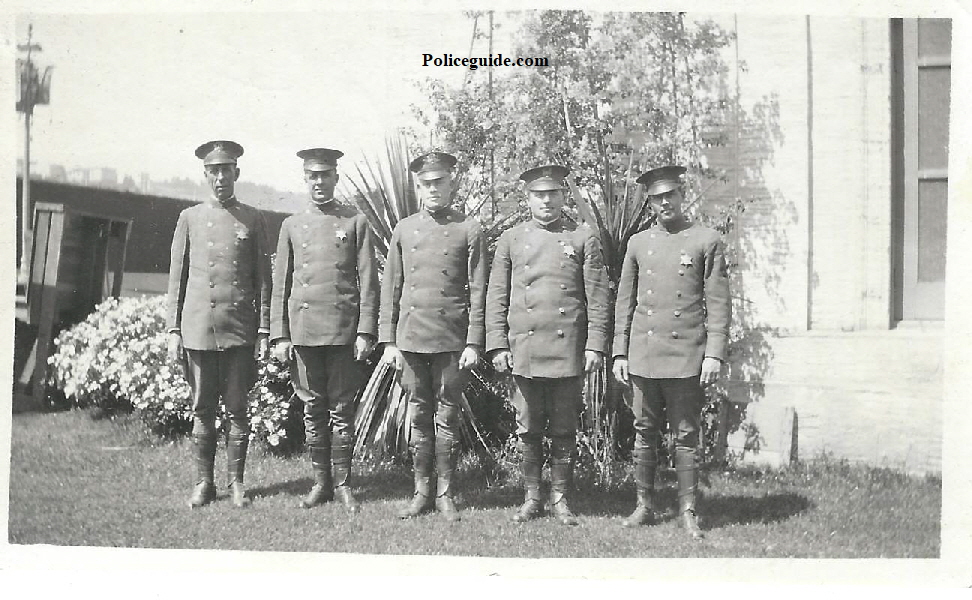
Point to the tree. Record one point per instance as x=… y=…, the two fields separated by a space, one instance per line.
x=624 y=92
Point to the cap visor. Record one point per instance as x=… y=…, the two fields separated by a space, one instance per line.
x=430 y=175
x=660 y=187
x=319 y=167
x=543 y=186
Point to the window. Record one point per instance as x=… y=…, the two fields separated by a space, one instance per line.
x=921 y=85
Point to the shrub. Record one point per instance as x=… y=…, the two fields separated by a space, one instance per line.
x=116 y=360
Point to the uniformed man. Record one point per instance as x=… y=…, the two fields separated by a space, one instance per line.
x=432 y=300
x=219 y=313
x=547 y=320
x=324 y=317
x=671 y=331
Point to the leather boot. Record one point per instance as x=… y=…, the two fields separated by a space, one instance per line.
x=204 y=450
x=322 y=491
x=686 y=473
x=422 y=500
x=531 y=466
x=643 y=514
x=236 y=445
x=446 y=455
x=341 y=460
x=561 y=478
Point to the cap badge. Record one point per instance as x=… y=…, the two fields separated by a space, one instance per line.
x=685 y=260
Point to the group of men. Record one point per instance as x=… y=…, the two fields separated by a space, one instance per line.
x=543 y=314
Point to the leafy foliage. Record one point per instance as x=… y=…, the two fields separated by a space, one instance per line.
x=624 y=92
x=116 y=360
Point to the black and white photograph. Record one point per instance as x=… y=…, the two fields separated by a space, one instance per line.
x=440 y=291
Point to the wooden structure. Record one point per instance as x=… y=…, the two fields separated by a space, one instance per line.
x=77 y=259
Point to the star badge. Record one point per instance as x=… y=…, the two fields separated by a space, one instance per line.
x=241 y=234
x=686 y=260
x=569 y=250
x=341 y=234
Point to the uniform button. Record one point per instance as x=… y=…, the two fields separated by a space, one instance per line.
x=650 y=252
x=413 y=287
x=304 y=284
x=210 y=224
x=236 y=262
x=445 y=234
x=304 y=245
x=650 y=312
x=212 y=284
x=413 y=269
x=528 y=286
x=413 y=249
x=679 y=293
x=305 y=226
x=560 y=333
x=675 y=334
x=213 y=304
x=445 y=252
x=442 y=291
x=649 y=271
x=304 y=305
x=649 y=292
x=212 y=264
x=526 y=247
x=236 y=283
x=681 y=271
x=530 y=332
x=678 y=313
x=529 y=310
x=210 y=244
x=563 y=286
x=526 y=266
x=304 y=265
x=651 y=332
x=416 y=232
x=445 y=271
x=562 y=311
x=411 y=307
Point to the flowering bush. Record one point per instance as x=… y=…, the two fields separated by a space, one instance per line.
x=116 y=360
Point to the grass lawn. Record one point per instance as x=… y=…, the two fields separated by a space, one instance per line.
x=77 y=481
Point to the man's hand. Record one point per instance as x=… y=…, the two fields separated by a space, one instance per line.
x=711 y=367
x=592 y=361
x=468 y=358
x=393 y=356
x=363 y=345
x=502 y=361
x=283 y=350
x=174 y=349
x=620 y=369
x=262 y=346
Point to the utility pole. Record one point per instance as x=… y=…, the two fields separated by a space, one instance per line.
x=34 y=89
x=492 y=183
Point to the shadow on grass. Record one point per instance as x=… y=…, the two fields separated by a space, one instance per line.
x=294 y=487
x=721 y=511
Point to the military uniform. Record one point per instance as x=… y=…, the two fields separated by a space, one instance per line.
x=325 y=294
x=432 y=303
x=548 y=302
x=672 y=311
x=218 y=300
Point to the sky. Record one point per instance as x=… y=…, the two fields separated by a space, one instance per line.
x=138 y=92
